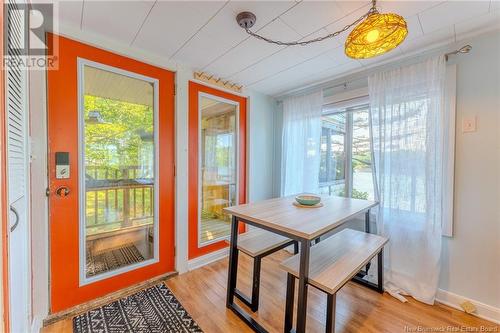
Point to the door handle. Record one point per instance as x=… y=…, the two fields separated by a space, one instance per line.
x=13 y=210
x=62 y=191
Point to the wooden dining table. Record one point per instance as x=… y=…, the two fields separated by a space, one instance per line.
x=304 y=225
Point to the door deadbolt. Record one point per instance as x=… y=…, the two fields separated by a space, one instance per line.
x=62 y=191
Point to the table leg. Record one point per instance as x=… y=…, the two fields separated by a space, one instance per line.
x=330 y=313
x=380 y=271
x=367 y=229
x=367 y=221
x=256 y=284
x=305 y=247
x=233 y=262
x=231 y=281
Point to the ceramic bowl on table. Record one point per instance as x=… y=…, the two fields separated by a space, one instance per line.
x=308 y=199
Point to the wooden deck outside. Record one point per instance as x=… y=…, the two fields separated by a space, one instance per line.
x=214 y=229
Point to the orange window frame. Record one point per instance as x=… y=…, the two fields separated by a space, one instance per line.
x=195 y=88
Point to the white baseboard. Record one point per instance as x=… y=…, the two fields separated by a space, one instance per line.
x=207 y=259
x=484 y=311
x=36 y=324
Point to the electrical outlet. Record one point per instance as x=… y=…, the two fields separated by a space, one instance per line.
x=469 y=124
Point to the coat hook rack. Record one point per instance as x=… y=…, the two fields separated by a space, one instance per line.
x=217 y=81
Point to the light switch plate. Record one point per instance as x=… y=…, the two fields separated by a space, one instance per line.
x=469 y=124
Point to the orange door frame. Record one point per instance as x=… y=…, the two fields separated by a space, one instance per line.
x=4 y=215
x=195 y=88
x=62 y=122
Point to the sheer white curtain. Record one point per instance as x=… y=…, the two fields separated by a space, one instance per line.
x=408 y=130
x=301 y=142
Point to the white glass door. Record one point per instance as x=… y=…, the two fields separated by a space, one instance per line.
x=217 y=165
x=118 y=187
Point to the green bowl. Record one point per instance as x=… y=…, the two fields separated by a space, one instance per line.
x=308 y=199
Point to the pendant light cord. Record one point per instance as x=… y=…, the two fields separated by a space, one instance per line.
x=372 y=10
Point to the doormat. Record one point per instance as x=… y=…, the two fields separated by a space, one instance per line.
x=112 y=259
x=153 y=310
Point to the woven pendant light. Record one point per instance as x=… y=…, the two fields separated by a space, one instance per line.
x=376 y=35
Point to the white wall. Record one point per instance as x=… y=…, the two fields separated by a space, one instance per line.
x=261 y=146
x=277 y=148
x=39 y=182
x=182 y=77
x=471 y=258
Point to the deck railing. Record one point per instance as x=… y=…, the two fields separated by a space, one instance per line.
x=117 y=199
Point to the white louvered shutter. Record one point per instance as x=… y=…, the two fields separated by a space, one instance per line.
x=16 y=97
x=16 y=81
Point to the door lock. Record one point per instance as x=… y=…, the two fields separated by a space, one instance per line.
x=62 y=165
x=62 y=191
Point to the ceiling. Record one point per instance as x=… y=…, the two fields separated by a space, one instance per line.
x=106 y=84
x=204 y=34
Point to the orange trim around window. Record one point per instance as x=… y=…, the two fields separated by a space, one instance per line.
x=4 y=216
x=194 y=250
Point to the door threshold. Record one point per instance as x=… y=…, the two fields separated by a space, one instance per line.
x=98 y=302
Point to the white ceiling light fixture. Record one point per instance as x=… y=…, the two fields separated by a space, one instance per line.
x=374 y=34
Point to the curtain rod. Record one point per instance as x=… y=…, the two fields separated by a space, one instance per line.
x=463 y=50
x=326 y=85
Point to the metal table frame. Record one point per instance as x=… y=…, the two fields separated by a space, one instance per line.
x=305 y=246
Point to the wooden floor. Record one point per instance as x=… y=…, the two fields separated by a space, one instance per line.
x=203 y=293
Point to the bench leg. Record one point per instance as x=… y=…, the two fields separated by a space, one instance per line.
x=256 y=284
x=295 y=247
x=330 y=313
x=253 y=301
x=290 y=295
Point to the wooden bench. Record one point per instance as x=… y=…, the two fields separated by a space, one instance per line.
x=333 y=262
x=258 y=244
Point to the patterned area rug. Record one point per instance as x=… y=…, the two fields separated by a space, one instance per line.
x=112 y=259
x=154 y=310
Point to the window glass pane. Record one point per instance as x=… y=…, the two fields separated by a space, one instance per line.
x=345 y=165
x=362 y=181
x=332 y=164
x=119 y=169
x=218 y=167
